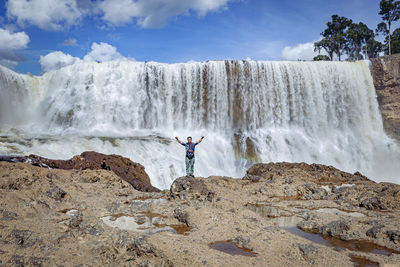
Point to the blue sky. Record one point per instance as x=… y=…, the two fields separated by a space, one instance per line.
x=164 y=31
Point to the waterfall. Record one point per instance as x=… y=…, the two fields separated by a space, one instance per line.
x=16 y=97
x=249 y=111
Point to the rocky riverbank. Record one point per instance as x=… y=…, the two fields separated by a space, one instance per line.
x=279 y=214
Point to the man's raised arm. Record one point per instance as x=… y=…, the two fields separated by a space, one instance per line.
x=201 y=139
x=179 y=141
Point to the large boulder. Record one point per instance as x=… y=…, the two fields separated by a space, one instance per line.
x=132 y=172
x=189 y=188
x=316 y=173
x=335 y=228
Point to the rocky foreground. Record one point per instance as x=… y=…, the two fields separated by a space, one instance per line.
x=279 y=214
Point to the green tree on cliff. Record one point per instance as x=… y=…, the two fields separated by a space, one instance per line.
x=361 y=40
x=334 y=36
x=382 y=29
x=327 y=44
x=321 y=58
x=395 y=41
x=390 y=12
x=374 y=48
x=358 y=39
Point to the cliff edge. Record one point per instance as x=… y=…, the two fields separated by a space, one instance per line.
x=386 y=74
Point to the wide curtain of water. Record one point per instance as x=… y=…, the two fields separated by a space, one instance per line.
x=248 y=111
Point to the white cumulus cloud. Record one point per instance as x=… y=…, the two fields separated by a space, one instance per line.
x=304 y=51
x=70 y=42
x=53 y=15
x=99 y=52
x=154 y=13
x=103 y=52
x=12 y=41
x=11 y=64
x=56 y=60
x=57 y=15
x=9 y=43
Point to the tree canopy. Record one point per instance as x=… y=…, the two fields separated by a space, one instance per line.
x=333 y=36
x=321 y=58
x=390 y=12
x=396 y=41
x=358 y=39
x=344 y=37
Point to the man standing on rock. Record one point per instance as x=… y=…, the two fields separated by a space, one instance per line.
x=189 y=159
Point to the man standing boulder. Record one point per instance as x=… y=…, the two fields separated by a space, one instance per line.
x=189 y=159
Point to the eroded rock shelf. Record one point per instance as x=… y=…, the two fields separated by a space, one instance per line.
x=278 y=214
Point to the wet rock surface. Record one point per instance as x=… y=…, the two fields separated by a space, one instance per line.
x=335 y=228
x=279 y=214
x=306 y=249
x=181 y=215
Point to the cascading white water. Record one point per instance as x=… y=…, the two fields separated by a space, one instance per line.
x=17 y=96
x=324 y=112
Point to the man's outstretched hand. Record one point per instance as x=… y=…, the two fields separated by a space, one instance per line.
x=177 y=139
x=201 y=139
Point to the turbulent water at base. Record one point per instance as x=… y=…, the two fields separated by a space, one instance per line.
x=249 y=111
